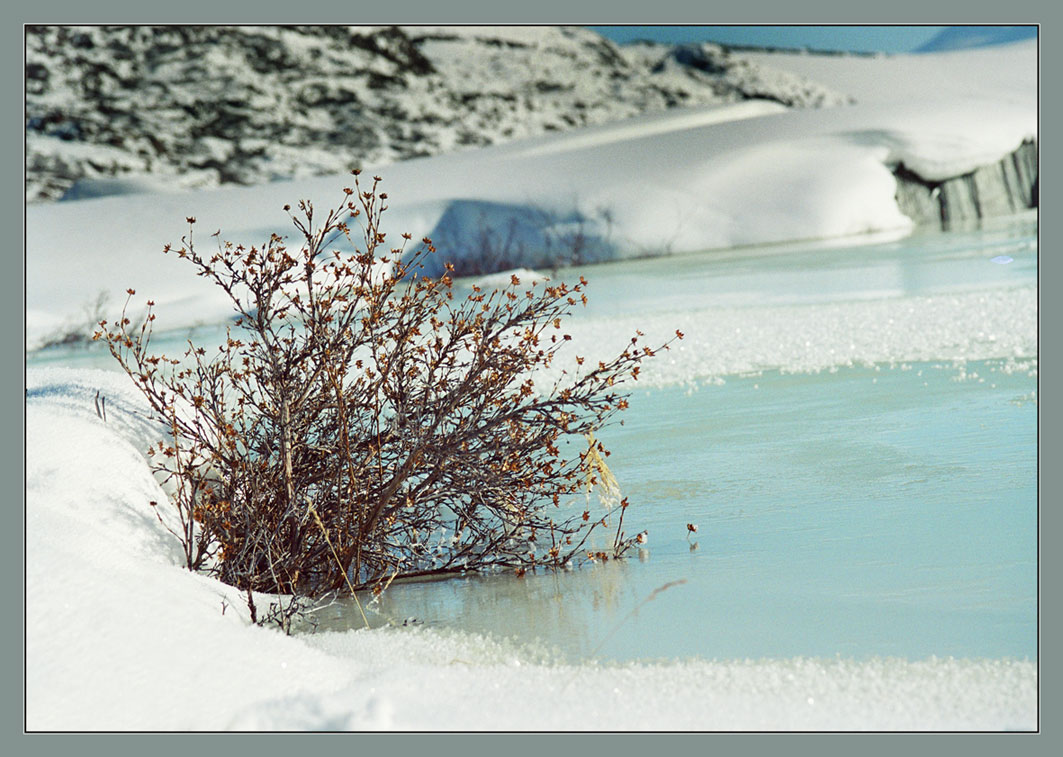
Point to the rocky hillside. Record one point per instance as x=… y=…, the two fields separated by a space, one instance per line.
x=186 y=106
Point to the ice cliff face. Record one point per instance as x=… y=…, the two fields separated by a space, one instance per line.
x=190 y=106
x=1005 y=187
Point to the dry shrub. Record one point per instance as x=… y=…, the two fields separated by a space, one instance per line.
x=362 y=423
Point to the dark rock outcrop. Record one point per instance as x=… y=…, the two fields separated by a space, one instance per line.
x=1006 y=187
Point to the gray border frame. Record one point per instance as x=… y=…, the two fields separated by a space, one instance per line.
x=548 y=12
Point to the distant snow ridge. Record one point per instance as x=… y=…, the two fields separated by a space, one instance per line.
x=965 y=37
x=181 y=107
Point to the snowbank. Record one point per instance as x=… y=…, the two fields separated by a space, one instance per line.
x=681 y=181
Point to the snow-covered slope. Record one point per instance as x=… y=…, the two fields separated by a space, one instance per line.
x=202 y=106
x=682 y=180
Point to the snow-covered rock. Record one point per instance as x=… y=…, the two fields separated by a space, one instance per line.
x=199 y=106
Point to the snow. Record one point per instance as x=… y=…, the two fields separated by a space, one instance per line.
x=995 y=74
x=119 y=636
x=647 y=126
x=724 y=340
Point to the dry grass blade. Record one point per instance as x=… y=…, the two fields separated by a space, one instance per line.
x=653 y=595
x=324 y=532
